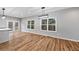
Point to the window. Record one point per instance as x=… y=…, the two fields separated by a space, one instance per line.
x=44 y=24
x=48 y=24
x=51 y=25
x=10 y=25
x=30 y=24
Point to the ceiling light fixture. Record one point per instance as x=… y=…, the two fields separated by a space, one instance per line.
x=43 y=12
x=3 y=16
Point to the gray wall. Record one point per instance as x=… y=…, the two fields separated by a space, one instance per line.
x=67 y=24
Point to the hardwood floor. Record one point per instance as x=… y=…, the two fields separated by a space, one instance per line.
x=22 y=41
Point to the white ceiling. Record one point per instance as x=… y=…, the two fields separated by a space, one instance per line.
x=22 y=12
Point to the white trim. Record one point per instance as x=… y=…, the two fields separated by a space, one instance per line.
x=59 y=37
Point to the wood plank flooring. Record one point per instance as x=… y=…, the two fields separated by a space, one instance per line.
x=22 y=41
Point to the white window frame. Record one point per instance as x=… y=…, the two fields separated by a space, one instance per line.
x=30 y=25
x=48 y=24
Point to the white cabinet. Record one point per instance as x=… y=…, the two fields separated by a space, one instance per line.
x=4 y=35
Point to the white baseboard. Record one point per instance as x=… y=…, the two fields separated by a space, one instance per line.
x=56 y=37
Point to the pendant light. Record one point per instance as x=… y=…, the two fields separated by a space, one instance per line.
x=43 y=12
x=3 y=16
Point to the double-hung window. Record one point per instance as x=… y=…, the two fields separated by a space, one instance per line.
x=48 y=24
x=44 y=24
x=51 y=24
x=30 y=24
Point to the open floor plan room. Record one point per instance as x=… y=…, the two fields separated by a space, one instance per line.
x=39 y=29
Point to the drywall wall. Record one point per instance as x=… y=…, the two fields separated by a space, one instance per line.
x=67 y=24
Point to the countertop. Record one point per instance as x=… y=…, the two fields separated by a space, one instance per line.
x=5 y=29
